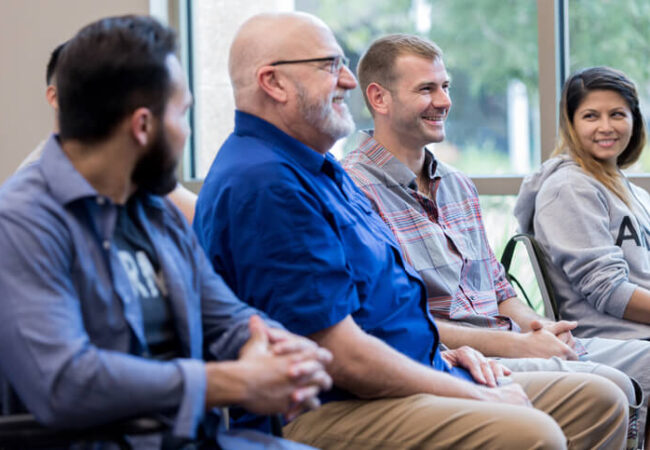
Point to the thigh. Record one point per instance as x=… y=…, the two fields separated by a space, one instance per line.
x=555 y=364
x=591 y=410
x=425 y=421
x=631 y=356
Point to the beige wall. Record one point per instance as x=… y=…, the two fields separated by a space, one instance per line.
x=29 y=30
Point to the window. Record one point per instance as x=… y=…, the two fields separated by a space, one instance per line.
x=492 y=126
x=213 y=24
x=616 y=34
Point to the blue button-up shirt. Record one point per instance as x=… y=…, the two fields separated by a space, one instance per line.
x=292 y=235
x=72 y=336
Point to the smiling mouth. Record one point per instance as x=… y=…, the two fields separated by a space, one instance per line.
x=434 y=118
x=606 y=142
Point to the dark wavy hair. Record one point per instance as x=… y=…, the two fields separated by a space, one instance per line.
x=576 y=88
x=109 y=69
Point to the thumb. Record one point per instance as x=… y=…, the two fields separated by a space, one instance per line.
x=257 y=328
x=565 y=325
x=536 y=325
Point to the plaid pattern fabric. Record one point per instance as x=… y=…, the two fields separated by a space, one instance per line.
x=442 y=234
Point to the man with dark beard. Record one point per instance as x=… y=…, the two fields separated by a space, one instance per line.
x=292 y=235
x=108 y=304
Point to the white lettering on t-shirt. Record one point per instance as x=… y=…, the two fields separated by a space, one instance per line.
x=141 y=271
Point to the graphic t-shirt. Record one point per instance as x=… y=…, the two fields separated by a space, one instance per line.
x=140 y=262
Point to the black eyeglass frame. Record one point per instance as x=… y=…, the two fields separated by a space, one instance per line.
x=336 y=66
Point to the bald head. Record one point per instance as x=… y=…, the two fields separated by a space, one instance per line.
x=270 y=37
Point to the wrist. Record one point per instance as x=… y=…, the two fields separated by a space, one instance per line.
x=226 y=383
x=517 y=344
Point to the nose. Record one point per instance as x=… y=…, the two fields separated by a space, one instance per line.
x=605 y=124
x=346 y=78
x=440 y=99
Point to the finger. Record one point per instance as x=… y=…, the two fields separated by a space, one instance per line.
x=304 y=393
x=562 y=326
x=257 y=330
x=568 y=353
x=324 y=356
x=572 y=355
x=319 y=378
x=567 y=338
x=304 y=368
x=287 y=346
x=475 y=370
x=497 y=369
x=505 y=370
x=312 y=403
x=490 y=380
x=277 y=334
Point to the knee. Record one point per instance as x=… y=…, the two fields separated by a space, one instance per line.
x=608 y=409
x=621 y=380
x=536 y=430
x=607 y=395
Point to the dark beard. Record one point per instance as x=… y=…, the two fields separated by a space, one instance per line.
x=155 y=173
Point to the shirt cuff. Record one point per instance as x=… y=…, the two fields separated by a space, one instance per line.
x=619 y=299
x=192 y=408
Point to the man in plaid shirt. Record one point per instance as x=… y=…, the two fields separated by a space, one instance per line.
x=433 y=210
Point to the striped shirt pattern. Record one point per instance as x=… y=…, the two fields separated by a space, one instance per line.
x=442 y=234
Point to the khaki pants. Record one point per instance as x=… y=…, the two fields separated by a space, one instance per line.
x=573 y=410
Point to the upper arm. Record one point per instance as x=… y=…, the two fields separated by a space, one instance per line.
x=45 y=351
x=572 y=222
x=281 y=253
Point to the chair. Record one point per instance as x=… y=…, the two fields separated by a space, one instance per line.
x=537 y=259
x=20 y=430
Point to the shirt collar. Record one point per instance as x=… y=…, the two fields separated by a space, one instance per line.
x=250 y=125
x=396 y=169
x=67 y=184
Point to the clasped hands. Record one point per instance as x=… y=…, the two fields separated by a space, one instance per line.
x=286 y=371
x=547 y=339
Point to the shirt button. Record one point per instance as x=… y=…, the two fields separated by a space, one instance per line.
x=101 y=200
x=106 y=244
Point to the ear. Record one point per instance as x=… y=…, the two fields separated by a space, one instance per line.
x=50 y=96
x=141 y=126
x=379 y=98
x=272 y=83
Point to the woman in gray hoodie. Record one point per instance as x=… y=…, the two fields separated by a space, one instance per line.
x=593 y=223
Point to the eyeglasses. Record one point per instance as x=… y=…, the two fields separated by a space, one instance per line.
x=336 y=62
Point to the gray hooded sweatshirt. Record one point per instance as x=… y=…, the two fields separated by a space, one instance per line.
x=599 y=248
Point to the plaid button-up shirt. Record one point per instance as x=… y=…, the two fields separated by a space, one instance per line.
x=442 y=234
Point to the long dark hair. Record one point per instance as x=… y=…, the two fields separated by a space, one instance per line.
x=576 y=88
